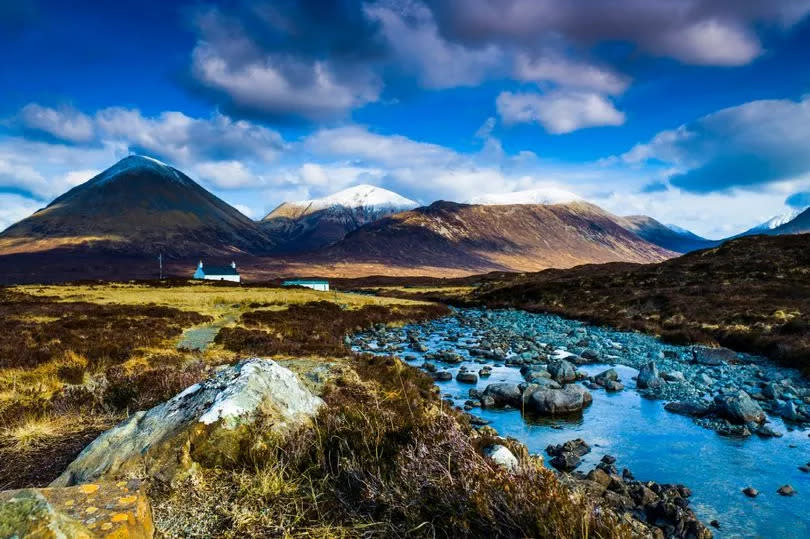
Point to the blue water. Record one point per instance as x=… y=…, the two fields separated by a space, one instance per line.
x=658 y=445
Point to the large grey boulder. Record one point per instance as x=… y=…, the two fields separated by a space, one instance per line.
x=739 y=408
x=562 y=371
x=712 y=357
x=205 y=422
x=648 y=377
x=501 y=456
x=504 y=394
x=548 y=401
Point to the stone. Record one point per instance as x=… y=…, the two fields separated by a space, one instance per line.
x=442 y=376
x=772 y=390
x=786 y=490
x=739 y=408
x=589 y=355
x=562 y=371
x=504 y=393
x=674 y=376
x=546 y=401
x=766 y=431
x=205 y=422
x=705 y=379
x=751 y=492
x=103 y=509
x=613 y=385
x=467 y=377
x=648 y=377
x=692 y=409
x=788 y=411
x=712 y=357
x=577 y=446
x=603 y=377
x=502 y=456
x=597 y=475
x=565 y=462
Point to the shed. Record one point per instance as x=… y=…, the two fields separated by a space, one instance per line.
x=321 y=286
x=217 y=273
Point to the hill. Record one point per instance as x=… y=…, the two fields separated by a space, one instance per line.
x=448 y=238
x=678 y=240
x=308 y=225
x=137 y=207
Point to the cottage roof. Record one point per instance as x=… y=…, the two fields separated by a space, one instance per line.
x=219 y=270
x=304 y=281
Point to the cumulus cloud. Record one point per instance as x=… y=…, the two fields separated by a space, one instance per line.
x=744 y=146
x=569 y=73
x=14 y=208
x=798 y=200
x=64 y=123
x=558 y=112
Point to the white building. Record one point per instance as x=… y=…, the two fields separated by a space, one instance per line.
x=217 y=273
x=321 y=286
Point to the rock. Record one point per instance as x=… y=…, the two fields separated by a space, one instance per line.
x=805 y=468
x=674 y=376
x=608 y=459
x=739 y=408
x=442 y=376
x=642 y=495
x=766 y=431
x=786 y=490
x=705 y=379
x=612 y=385
x=487 y=401
x=504 y=394
x=430 y=367
x=578 y=446
x=485 y=371
x=206 y=422
x=648 y=377
x=546 y=401
x=597 y=475
x=712 y=357
x=502 y=456
x=565 y=462
x=103 y=509
x=751 y=492
x=562 y=371
x=603 y=377
x=714 y=524
x=467 y=377
x=693 y=409
x=788 y=411
x=772 y=390
x=589 y=355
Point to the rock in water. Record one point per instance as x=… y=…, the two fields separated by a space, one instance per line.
x=604 y=377
x=562 y=371
x=504 y=394
x=206 y=422
x=739 y=408
x=751 y=492
x=648 y=377
x=467 y=377
x=103 y=509
x=786 y=490
x=501 y=456
x=546 y=401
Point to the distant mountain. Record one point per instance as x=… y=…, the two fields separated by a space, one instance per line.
x=781 y=224
x=308 y=225
x=800 y=224
x=139 y=206
x=669 y=237
x=451 y=238
x=548 y=195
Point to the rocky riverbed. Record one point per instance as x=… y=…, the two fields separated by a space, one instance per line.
x=658 y=407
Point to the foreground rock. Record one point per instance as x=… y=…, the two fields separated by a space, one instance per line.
x=103 y=509
x=205 y=423
x=739 y=408
x=571 y=399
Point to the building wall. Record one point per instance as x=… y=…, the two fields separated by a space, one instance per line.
x=232 y=278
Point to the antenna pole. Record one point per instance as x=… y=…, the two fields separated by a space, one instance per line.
x=160 y=262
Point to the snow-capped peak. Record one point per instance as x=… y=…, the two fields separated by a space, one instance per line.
x=543 y=195
x=678 y=229
x=137 y=161
x=361 y=196
x=778 y=220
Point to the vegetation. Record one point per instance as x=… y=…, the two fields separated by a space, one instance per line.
x=385 y=457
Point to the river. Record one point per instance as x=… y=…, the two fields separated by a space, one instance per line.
x=653 y=443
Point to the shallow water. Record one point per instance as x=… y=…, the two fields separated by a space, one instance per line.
x=655 y=444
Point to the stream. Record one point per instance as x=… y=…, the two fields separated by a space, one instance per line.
x=632 y=424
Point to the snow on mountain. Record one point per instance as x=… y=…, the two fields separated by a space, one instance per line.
x=678 y=229
x=776 y=221
x=361 y=196
x=544 y=195
x=126 y=164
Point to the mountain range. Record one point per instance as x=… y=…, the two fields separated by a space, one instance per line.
x=119 y=221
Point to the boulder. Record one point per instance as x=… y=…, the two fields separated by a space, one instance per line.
x=467 y=377
x=562 y=371
x=442 y=376
x=786 y=490
x=504 y=393
x=751 y=492
x=648 y=377
x=603 y=377
x=772 y=390
x=547 y=401
x=613 y=385
x=206 y=422
x=565 y=462
x=739 y=408
x=103 y=509
x=787 y=410
x=502 y=456
x=690 y=408
x=674 y=376
x=712 y=357
x=577 y=446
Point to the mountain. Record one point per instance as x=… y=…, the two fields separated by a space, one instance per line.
x=308 y=225
x=139 y=206
x=447 y=238
x=546 y=195
x=774 y=222
x=669 y=237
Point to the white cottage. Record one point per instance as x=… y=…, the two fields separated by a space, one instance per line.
x=321 y=286
x=217 y=273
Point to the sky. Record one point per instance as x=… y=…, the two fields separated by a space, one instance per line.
x=695 y=112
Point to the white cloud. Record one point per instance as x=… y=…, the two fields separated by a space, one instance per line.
x=569 y=73
x=227 y=174
x=13 y=208
x=558 y=112
x=710 y=42
x=65 y=123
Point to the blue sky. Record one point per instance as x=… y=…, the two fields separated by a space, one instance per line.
x=693 y=111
